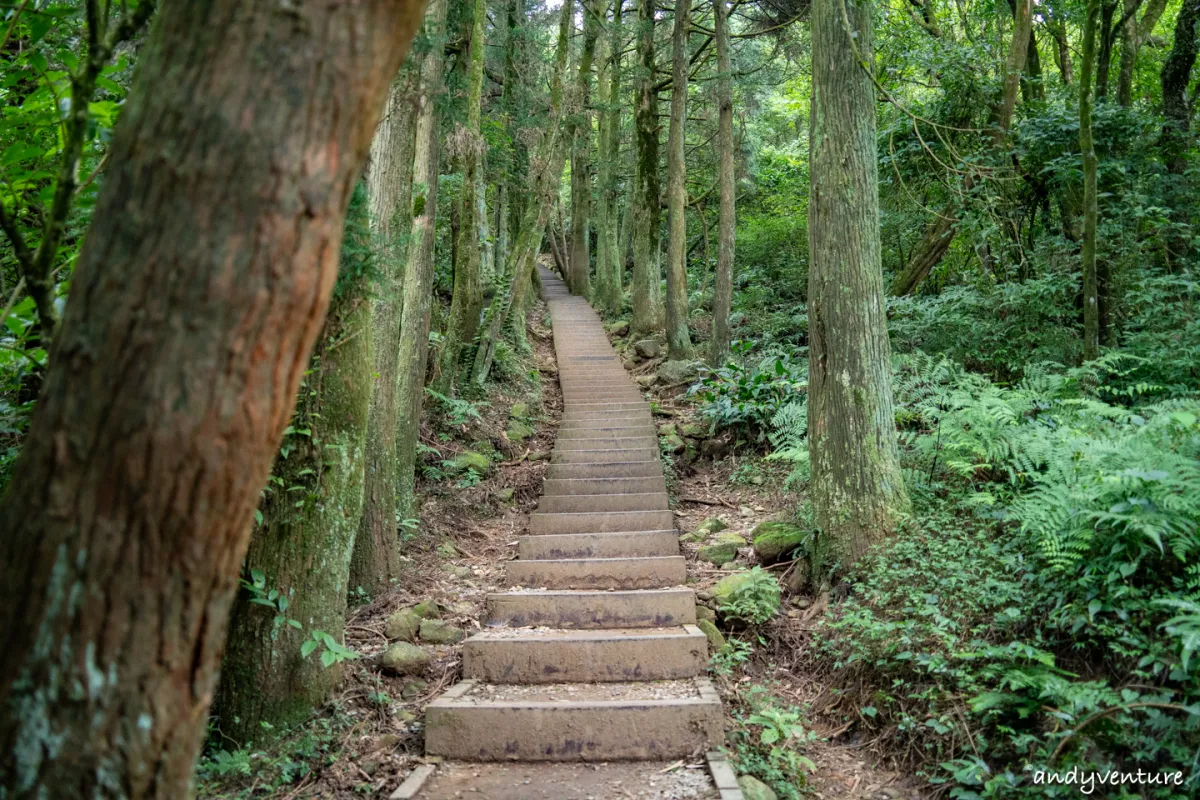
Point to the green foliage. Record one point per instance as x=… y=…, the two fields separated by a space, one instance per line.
x=746 y=394
x=331 y=651
x=454 y=411
x=768 y=741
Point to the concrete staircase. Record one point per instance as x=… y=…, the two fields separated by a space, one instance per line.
x=594 y=654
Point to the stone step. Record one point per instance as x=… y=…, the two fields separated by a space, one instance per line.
x=646 y=572
x=636 y=420
x=638 y=608
x=641 y=428
x=647 y=468
x=572 y=656
x=604 y=407
x=618 y=442
x=600 y=522
x=571 y=486
x=574 y=722
x=599 y=545
x=592 y=503
x=604 y=455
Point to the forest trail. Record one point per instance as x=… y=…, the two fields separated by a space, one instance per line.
x=593 y=655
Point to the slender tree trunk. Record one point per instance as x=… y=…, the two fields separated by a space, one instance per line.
x=940 y=233
x=418 y=277
x=1033 y=87
x=1062 y=48
x=1175 y=78
x=609 y=267
x=376 y=557
x=579 y=261
x=1134 y=34
x=1106 y=37
x=310 y=518
x=727 y=219
x=857 y=486
x=196 y=298
x=467 y=299
x=679 y=344
x=1091 y=302
x=647 y=313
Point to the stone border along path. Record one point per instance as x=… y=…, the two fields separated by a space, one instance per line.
x=594 y=654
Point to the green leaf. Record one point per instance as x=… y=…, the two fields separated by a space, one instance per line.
x=307 y=648
x=327 y=658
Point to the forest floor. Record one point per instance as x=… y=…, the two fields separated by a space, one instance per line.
x=367 y=740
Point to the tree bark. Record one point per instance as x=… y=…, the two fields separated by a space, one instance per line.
x=418 y=277
x=647 y=211
x=310 y=519
x=1062 y=48
x=1091 y=301
x=1134 y=34
x=679 y=344
x=196 y=298
x=467 y=300
x=579 y=260
x=1175 y=78
x=376 y=559
x=727 y=220
x=609 y=266
x=1105 y=38
x=857 y=487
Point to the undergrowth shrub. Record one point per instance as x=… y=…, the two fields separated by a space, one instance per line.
x=746 y=394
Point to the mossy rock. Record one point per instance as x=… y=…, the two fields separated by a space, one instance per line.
x=469 y=459
x=403 y=625
x=754 y=789
x=716 y=639
x=673 y=444
x=773 y=541
x=428 y=609
x=447 y=550
x=693 y=430
x=518 y=431
x=668 y=429
x=403 y=658
x=505 y=495
x=694 y=537
x=704 y=612
x=672 y=372
x=519 y=411
x=648 y=348
x=711 y=525
x=723 y=549
x=618 y=328
x=436 y=631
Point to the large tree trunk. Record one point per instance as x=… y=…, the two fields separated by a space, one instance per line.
x=1091 y=301
x=1106 y=35
x=679 y=344
x=467 y=300
x=609 y=265
x=418 y=276
x=857 y=487
x=647 y=212
x=310 y=518
x=1175 y=78
x=376 y=559
x=579 y=261
x=727 y=220
x=195 y=301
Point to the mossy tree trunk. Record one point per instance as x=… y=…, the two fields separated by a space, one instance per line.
x=1134 y=34
x=376 y=559
x=196 y=298
x=718 y=349
x=310 y=517
x=467 y=300
x=1087 y=148
x=647 y=211
x=679 y=343
x=418 y=278
x=857 y=486
x=609 y=270
x=579 y=261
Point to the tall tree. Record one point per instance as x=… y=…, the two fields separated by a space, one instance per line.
x=301 y=549
x=196 y=298
x=857 y=486
x=647 y=209
x=467 y=300
x=1135 y=33
x=1087 y=148
x=1175 y=78
x=418 y=276
x=376 y=557
x=727 y=219
x=579 y=261
x=679 y=343
x=609 y=264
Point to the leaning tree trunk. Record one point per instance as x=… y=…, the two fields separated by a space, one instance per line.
x=679 y=344
x=1091 y=300
x=647 y=211
x=376 y=559
x=579 y=260
x=467 y=299
x=418 y=276
x=857 y=487
x=727 y=220
x=195 y=301
x=310 y=517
